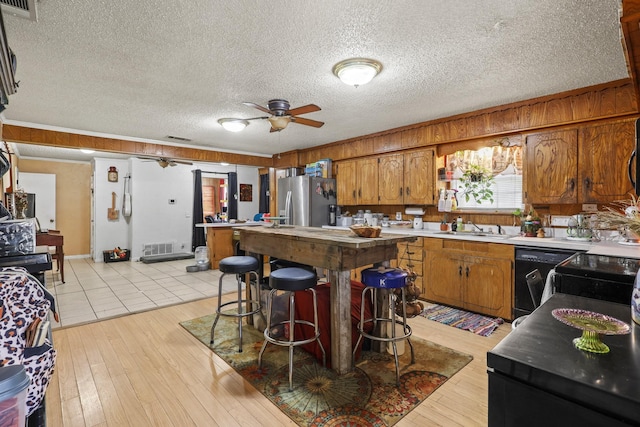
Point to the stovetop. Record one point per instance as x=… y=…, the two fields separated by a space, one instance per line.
x=604 y=267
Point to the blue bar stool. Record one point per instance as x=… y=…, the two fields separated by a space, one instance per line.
x=289 y=280
x=238 y=265
x=386 y=280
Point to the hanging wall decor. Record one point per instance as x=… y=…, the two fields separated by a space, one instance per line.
x=112 y=175
x=246 y=192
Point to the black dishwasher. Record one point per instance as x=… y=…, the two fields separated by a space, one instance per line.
x=528 y=259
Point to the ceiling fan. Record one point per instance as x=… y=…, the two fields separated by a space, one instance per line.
x=164 y=161
x=280 y=115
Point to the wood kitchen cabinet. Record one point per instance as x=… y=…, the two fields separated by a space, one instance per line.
x=357 y=181
x=407 y=178
x=411 y=257
x=588 y=165
x=551 y=166
x=219 y=244
x=476 y=276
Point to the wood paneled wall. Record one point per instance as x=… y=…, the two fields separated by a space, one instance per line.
x=610 y=100
x=27 y=135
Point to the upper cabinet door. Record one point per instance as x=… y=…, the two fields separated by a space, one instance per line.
x=367 y=170
x=419 y=177
x=391 y=181
x=604 y=155
x=346 y=183
x=552 y=167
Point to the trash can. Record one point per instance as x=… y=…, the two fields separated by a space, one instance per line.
x=13 y=396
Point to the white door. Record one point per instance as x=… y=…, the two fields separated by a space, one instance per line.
x=43 y=185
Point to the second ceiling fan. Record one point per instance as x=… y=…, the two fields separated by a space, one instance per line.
x=280 y=115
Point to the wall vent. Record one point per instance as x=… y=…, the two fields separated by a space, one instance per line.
x=176 y=138
x=21 y=8
x=150 y=249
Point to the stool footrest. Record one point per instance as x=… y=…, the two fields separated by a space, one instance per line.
x=235 y=303
x=406 y=335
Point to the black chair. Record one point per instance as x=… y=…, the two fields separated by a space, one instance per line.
x=536 y=288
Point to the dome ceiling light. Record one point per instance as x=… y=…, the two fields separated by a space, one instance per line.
x=357 y=71
x=233 y=125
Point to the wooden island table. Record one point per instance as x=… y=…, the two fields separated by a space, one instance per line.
x=335 y=250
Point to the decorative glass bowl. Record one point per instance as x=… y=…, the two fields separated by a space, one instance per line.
x=592 y=325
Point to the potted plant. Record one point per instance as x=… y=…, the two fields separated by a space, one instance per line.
x=477 y=182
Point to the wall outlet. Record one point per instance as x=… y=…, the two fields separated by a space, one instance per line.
x=560 y=221
x=589 y=207
x=172 y=201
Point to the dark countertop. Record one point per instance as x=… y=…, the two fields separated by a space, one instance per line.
x=540 y=353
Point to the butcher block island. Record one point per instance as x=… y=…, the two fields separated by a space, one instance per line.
x=335 y=250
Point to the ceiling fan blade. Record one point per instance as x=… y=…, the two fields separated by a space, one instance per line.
x=304 y=110
x=182 y=162
x=257 y=118
x=307 y=122
x=259 y=107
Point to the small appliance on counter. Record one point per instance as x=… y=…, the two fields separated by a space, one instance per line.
x=417 y=214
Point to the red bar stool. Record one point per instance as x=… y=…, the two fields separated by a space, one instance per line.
x=291 y=279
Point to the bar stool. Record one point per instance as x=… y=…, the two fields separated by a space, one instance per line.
x=289 y=280
x=238 y=265
x=385 y=280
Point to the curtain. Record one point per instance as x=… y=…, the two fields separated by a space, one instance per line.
x=263 y=204
x=198 y=237
x=232 y=210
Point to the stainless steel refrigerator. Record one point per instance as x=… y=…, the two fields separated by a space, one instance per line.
x=304 y=200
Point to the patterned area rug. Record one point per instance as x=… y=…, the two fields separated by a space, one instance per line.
x=367 y=396
x=476 y=323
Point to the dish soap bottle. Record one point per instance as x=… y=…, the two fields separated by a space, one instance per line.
x=460 y=224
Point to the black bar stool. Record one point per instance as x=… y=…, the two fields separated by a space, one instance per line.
x=386 y=280
x=238 y=265
x=289 y=280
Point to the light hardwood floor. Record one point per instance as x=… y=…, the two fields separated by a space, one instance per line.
x=146 y=370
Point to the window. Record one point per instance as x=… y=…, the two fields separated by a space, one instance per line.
x=500 y=188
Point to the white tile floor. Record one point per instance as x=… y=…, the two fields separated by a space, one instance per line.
x=96 y=291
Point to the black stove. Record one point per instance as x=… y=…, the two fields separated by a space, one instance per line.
x=601 y=277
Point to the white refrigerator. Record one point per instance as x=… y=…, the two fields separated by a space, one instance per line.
x=304 y=200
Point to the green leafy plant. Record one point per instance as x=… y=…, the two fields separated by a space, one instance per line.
x=477 y=181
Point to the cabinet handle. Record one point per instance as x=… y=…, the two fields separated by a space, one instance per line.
x=467 y=271
x=460 y=271
x=407 y=191
x=359 y=192
x=587 y=183
x=572 y=184
x=354 y=194
x=400 y=191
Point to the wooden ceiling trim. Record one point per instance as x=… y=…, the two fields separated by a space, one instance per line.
x=27 y=135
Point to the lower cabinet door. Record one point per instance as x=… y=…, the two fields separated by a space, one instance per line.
x=487 y=286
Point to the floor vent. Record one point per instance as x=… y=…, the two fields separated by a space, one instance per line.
x=151 y=249
x=22 y=8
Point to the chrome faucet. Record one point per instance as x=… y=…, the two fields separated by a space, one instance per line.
x=500 y=231
x=478 y=228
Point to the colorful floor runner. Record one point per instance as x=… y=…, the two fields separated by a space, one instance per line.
x=473 y=322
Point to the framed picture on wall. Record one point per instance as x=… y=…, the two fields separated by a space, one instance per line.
x=246 y=192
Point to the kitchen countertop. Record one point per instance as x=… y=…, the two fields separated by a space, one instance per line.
x=540 y=353
x=229 y=224
x=605 y=247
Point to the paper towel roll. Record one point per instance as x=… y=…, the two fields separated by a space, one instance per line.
x=414 y=211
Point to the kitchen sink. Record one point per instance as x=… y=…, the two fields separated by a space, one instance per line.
x=476 y=234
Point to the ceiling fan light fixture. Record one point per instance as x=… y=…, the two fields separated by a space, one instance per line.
x=233 y=125
x=357 y=71
x=279 y=122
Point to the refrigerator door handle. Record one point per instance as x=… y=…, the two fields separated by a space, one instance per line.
x=287 y=208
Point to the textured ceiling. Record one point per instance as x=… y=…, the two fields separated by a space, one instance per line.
x=151 y=68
